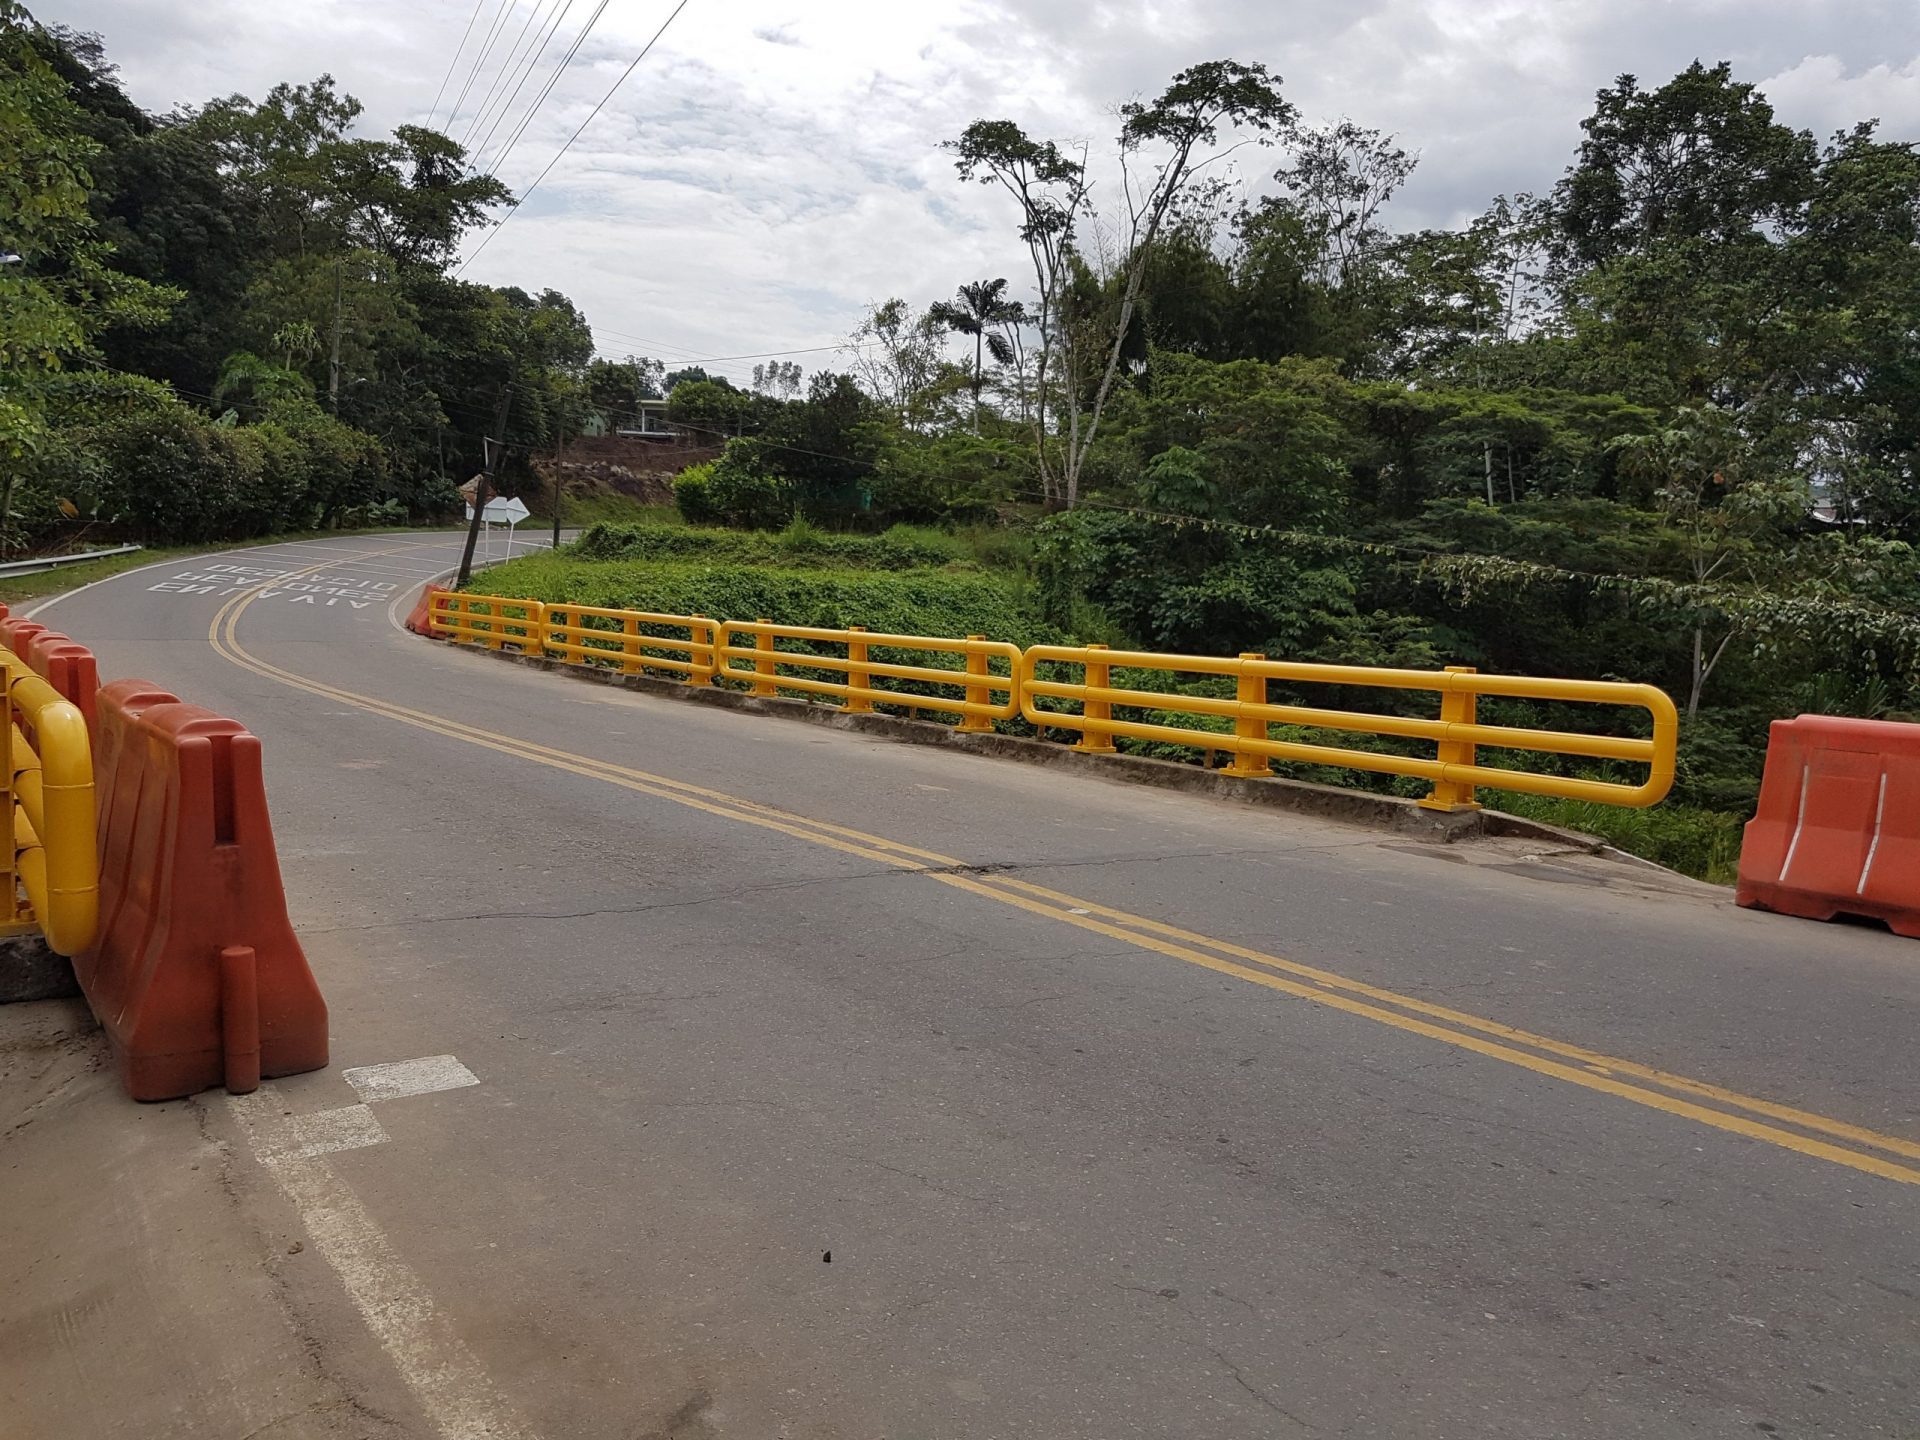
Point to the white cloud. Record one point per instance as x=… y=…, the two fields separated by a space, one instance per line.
x=773 y=166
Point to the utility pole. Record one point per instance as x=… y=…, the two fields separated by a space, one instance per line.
x=483 y=491
x=559 y=454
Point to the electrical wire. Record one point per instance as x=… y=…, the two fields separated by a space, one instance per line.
x=454 y=63
x=644 y=51
x=479 y=61
x=535 y=10
x=533 y=58
x=493 y=165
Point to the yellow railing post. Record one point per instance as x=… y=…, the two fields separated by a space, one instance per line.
x=1457 y=707
x=1251 y=690
x=857 y=677
x=1096 y=678
x=700 y=633
x=763 y=662
x=975 y=724
x=629 y=645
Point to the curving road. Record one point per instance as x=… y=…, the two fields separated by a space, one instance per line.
x=781 y=1082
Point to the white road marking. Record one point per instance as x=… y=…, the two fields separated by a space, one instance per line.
x=445 y=1377
x=351 y=1127
x=408 y=1077
x=251 y=551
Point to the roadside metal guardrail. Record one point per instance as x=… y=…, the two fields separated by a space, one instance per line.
x=53 y=879
x=36 y=564
x=486 y=620
x=1456 y=734
x=629 y=640
x=767 y=669
x=996 y=682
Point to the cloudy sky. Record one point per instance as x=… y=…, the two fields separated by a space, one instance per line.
x=773 y=166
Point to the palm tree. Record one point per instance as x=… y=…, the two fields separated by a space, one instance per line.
x=980 y=305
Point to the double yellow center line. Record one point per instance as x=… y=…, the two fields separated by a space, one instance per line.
x=1800 y=1131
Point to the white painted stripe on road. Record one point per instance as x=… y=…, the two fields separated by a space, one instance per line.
x=443 y=1374
x=324 y=1132
x=399 y=1078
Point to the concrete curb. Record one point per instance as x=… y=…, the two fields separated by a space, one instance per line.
x=1329 y=802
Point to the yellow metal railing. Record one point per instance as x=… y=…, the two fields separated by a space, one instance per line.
x=768 y=670
x=486 y=620
x=55 y=866
x=1455 y=732
x=622 y=639
x=985 y=682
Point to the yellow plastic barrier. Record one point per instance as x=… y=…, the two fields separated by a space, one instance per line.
x=486 y=620
x=565 y=632
x=768 y=670
x=1456 y=734
x=49 y=768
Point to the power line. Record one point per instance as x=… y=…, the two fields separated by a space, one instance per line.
x=507 y=66
x=499 y=159
x=644 y=50
x=452 y=64
x=757 y=355
x=479 y=60
x=533 y=59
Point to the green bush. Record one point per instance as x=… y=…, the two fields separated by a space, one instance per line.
x=916 y=602
x=693 y=494
x=901 y=548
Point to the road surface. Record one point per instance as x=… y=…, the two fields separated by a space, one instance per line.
x=781 y=1082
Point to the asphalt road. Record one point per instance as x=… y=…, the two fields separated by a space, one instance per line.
x=833 y=1087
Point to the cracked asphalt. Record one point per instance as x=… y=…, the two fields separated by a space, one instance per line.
x=774 y=1140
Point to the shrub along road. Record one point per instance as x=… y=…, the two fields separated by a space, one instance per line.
x=834 y=1087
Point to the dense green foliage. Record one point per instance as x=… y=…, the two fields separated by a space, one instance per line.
x=290 y=286
x=911 y=602
x=901 y=548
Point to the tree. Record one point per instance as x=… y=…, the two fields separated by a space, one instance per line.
x=1338 y=179
x=1700 y=159
x=780 y=379
x=1083 y=323
x=898 y=354
x=977 y=310
x=1723 y=504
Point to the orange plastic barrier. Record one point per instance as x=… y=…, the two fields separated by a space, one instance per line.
x=1838 y=826
x=420 y=621
x=196 y=974
x=70 y=668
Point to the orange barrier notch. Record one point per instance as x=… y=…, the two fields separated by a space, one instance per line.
x=196 y=974
x=1837 y=830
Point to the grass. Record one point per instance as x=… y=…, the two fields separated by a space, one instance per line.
x=580 y=511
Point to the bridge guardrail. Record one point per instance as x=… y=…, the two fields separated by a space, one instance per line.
x=566 y=630
x=49 y=765
x=767 y=669
x=749 y=653
x=486 y=620
x=1455 y=733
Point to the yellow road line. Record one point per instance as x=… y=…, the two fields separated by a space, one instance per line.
x=1476 y=1034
